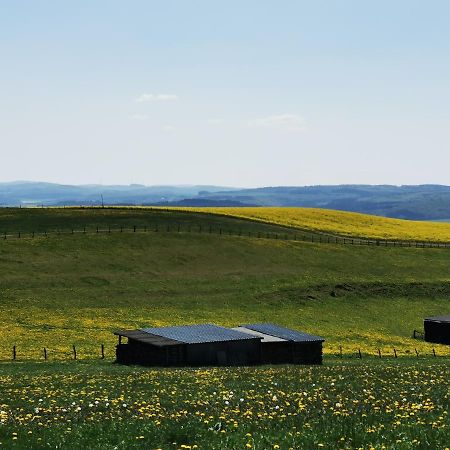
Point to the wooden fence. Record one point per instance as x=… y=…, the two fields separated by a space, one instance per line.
x=289 y=235
x=74 y=353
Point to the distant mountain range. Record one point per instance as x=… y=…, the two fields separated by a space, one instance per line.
x=423 y=202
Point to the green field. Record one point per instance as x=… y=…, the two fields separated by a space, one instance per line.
x=340 y=223
x=401 y=405
x=65 y=290
x=68 y=289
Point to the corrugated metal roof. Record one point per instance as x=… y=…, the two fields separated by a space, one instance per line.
x=439 y=319
x=198 y=334
x=146 y=338
x=284 y=333
x=264 y=337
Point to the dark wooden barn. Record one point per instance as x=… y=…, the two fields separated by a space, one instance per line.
x=281 y=345
x=189 y=345
x=437 y=329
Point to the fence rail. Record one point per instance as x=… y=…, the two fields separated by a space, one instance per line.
x=289 y=235
x=75 y=353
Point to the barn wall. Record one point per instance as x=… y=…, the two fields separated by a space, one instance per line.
x=276 y=352
x=307 y=353
x=136 y=352
x=229 y=353
x=437 y=332
x=292 y=352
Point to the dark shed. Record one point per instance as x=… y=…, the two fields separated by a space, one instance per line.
x=280 y=345
x=437 y=329
x=188 y=345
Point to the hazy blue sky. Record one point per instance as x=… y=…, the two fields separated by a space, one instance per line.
x=240 y=93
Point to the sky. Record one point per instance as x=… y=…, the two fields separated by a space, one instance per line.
x=232 y=93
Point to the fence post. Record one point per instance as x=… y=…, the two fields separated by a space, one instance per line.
x=379 y=353
x=84 y=230
x=395 y=353
x=32 y=235
x=103 y=351
x=434 y=352
x=340 y=351
x=359 y=352
x=97 y=229
x=74 y=352
x=14 y=353
x=134 y=228
x=45 y=354
x=19 y=234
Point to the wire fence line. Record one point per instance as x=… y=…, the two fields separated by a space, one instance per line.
x=289 y=235
x=108 y=353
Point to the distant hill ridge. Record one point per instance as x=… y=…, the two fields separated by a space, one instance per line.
x=421 y=202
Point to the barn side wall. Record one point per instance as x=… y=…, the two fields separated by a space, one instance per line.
x=276 y=352
x=292 y=352
x=307 y=353
x=136 y=352
x=437 y=332
x=229 y=353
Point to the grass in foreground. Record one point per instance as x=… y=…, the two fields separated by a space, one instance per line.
x=401 y=405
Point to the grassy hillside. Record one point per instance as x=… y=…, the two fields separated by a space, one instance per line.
x=341 y=223
x=76 y=289
x=27 y=220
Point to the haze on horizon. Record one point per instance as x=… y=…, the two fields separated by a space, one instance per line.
x=253 y=93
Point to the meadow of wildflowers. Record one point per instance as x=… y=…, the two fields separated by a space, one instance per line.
x=371 y=405
x=65 y=290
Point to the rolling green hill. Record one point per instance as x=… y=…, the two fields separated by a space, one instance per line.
x=340 y=223
x=66 y=289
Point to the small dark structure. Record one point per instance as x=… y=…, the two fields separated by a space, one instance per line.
x=188 y=345
x=280 y=345
x=437 y=329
